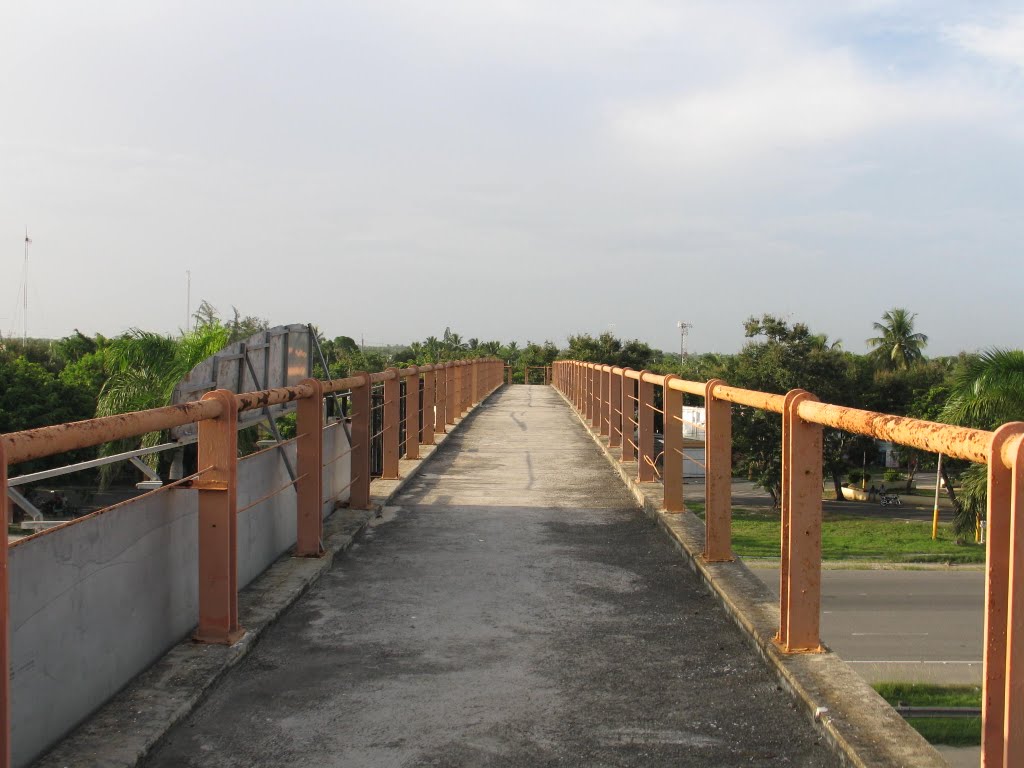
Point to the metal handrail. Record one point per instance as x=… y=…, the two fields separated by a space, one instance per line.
x=803 y=417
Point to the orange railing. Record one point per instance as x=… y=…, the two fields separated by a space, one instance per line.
x=619 y=402
x=544 y=369
x=451 y=389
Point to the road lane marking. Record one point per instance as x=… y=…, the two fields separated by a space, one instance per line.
x=909 y=661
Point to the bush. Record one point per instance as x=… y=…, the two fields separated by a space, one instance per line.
x=857 y=475
x=892 y=475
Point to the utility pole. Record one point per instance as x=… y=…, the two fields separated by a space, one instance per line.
x=684 y=330
x=24 y=298
x=935 y=511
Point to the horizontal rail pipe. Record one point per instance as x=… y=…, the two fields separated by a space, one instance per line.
x=1002 y=451
x=216 y=415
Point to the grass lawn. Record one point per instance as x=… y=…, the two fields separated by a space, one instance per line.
x=954 y=731
x=755 y=533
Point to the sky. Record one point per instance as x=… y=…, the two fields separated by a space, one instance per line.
x=516 y=170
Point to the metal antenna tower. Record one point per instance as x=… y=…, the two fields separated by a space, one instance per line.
x=24 y=298
x=684 y=331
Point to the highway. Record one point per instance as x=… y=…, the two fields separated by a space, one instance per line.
x=909 y=625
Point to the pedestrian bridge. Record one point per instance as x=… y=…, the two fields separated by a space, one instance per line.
x=517 y=588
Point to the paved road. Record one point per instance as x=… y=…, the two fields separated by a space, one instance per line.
x=920 y=626
x=512 y=609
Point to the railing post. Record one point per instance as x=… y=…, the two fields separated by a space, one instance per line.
x=587 y=408
x=392 y=395
x=594 y=406
x=309 y=489
x=628 y=404
x=672 y=468
x=800 y=566
x=218 y=523
x=449 y=392
x=606 y=399
x=440 y=398
x=615 y=409
x=581 y=388
x=460 y=388
x=476 y=381
x=1002 y=740
x=412 y=413
x=5 y=630
x=645 y=430
x=359 y=496
x=595 y=420
x=717 y=476
x=429 y=415
x=463 y=386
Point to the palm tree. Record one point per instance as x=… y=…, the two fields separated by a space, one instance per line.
x=145 y=367
x=898 y=345
x=432 y=349
x=986 y=392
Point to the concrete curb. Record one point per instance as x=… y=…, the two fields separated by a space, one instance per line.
x=126 y=728
x=862 y=729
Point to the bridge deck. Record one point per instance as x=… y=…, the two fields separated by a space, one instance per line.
x=514 y=608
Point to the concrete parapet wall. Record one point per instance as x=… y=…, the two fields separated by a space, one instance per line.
x=95 y=603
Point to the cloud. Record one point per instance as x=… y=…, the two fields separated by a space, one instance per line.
x=1002 y=43
x=802 y=103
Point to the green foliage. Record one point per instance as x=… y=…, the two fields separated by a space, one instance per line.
x=930 y=695
x=986 y=390
x=145 y=367
x=610 y=350
x=848 y=537
x=31 y=396
x=951 y=731
x=898 y=345
x=892 y=475
x=788 y=357
x=961 y=731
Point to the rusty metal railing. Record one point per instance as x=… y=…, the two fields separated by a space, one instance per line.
x=449 y=390
x=613 y=400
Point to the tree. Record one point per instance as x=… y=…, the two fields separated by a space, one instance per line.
x=145 y=367
x=610 y=350
x=239 y=328
x=534 y=356
x=897 y=345
x=986 y=390
x=789 y=357
x=31 y=396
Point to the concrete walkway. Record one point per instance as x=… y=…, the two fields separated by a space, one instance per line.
x=513 y=609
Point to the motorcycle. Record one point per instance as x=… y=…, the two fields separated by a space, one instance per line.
x=890 y=500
